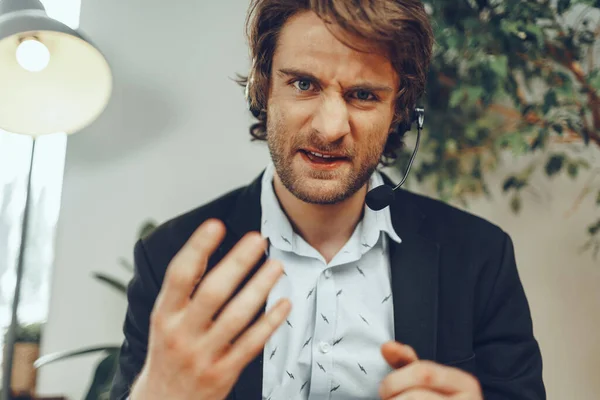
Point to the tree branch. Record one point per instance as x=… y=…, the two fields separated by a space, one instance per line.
x=569 y=136
x=591 y=53
x=575 y=68
x=567 y=61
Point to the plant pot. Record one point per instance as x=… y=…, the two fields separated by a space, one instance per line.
x=24 y=375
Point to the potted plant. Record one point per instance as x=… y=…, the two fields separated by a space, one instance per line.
x=26 y=351
x=106 y=368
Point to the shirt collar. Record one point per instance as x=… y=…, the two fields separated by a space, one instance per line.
x=274 y=224
x=276 y=227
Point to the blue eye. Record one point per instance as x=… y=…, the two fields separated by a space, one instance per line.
x=364 y=95
x=303 y=84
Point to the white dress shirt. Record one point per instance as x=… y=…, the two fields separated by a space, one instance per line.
x=342 y=311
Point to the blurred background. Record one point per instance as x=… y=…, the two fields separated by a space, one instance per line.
x=512 y=133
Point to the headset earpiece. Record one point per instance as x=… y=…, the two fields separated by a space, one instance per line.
x=253 y=110
x=417 y=115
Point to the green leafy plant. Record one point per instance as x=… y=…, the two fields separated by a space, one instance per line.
x=512 y=76
x=29 y=333
x=106 y=368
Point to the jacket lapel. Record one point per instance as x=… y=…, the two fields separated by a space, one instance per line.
x=246 y=217
x=414 y=278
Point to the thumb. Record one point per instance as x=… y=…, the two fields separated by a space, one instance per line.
x=398 y=355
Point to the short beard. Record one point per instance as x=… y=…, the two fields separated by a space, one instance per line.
x=327 y=198
x=349 y=185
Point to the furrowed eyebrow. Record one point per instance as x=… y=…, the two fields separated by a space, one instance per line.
x=298 y=73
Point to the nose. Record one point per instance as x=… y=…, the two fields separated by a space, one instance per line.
x=331 y=119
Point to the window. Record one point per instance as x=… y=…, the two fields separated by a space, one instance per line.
x=46 y=187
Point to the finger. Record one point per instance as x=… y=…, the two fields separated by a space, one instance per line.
x=219 y=284
x=398 y=355
x=418 y=394
x=428 y=375
x=188 y=266
x=253 y=340
x=239 y=312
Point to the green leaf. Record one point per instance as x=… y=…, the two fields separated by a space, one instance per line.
x=516 y=142
x=28 y=333
x=511 y=27
x=537 y=32
x=457 y=97
x=64 y=355
x=583 y=164
x=562 y=6
x=598 y=199
x=147 y=228
x=526 y=109
x=103 y=377
x=451 y=146
x=514 y=182
x=538 y=142
x=586 y=136
x=452 y=41
x=515 y=204
x=594 y=228
x=499 y=64
x=564 y=89
x=573 y=125
x=558 y=128
x=572 y=170
x=594 y=79
x=550 y=100
x=471 y=132
x=112 y=282
x=555 y=164
x=509 y=183
x=474 y=93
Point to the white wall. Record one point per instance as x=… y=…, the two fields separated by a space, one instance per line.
x=175 y=135
x=562 y=284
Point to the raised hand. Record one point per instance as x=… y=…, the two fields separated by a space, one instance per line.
x=199 y=345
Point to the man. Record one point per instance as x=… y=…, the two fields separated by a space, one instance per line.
x=416 y=301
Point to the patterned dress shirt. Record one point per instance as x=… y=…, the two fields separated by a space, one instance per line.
x=342 y=311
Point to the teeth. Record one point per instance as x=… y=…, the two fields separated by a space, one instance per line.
x=320 y=155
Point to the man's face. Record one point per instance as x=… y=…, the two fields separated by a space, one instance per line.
x=329 y=111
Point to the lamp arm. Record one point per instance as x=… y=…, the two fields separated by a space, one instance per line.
x=12 y=329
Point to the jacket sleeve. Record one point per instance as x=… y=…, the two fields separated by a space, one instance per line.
x=509 y=362
x=141 y=295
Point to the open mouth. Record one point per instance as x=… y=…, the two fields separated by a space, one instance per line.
x=322 y=158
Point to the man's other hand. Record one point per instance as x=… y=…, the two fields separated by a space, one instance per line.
x=416 y=379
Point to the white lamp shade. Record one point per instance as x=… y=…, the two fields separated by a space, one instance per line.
x=65 y=96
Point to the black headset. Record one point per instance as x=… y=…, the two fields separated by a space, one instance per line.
x=381 y=196
x=253 y=110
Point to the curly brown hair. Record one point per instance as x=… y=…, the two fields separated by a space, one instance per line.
x=400 y=27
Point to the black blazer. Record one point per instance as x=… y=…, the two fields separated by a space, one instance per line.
x=457 y=295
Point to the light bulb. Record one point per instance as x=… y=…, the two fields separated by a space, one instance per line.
x=33 y=55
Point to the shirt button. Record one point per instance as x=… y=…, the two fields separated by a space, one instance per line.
x=327 y=273
x=324 y=347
